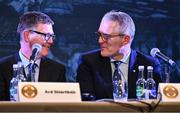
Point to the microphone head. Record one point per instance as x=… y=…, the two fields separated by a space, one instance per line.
x=154 y=51
x=37 y=46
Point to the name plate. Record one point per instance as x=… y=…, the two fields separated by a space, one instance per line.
x=48 y=92
x=170 y=92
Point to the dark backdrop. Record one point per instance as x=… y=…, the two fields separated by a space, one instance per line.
x=157 y=25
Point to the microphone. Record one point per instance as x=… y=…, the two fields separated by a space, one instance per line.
x=155 y=52
x=36 y=48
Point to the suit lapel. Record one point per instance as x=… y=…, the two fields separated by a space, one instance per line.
x=9 y=66
x=132 y=75
x=17 y=59
x=132 y=60
x=106 y=69
x=106 y=73
x=43 y=74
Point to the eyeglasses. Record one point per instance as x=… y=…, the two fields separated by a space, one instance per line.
x=106 y=37
x=46 y=36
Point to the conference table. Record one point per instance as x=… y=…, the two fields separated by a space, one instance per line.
x=90 y=107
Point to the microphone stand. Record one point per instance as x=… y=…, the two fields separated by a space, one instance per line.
x=176 y=69
x=166 y=72
x=36 y=48
x=32 y=71
x=173 y=75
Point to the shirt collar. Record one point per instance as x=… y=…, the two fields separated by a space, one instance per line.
x=25 y=61
x=124 y=60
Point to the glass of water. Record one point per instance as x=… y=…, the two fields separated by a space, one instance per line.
x=120 y=91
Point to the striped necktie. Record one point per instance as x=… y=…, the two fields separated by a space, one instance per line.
x=31 y=72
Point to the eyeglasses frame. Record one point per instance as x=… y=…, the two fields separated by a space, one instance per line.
x=47 y=36
x=106 y=37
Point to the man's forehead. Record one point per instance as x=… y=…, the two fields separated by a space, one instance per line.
x=107 y=24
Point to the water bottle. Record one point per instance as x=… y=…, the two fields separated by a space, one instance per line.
x=18 y=76
x=150 y=84
x=140 y=84
x=14 y=84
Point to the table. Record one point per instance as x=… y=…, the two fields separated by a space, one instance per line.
x=89 y=107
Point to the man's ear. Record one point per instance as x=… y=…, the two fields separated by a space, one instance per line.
x=126 y=39
x=25 y=36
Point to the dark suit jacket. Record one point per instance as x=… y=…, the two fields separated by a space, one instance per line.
x=50 y=71
x=95 y=75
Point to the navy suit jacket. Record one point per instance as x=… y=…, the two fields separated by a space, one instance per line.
x=95 y=74
x=50 y=71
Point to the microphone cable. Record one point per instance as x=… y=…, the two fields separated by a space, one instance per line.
x=145 y=103
x=125 y=104
x=151 y=108
x=156 y=104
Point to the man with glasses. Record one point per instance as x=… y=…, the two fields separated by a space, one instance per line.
x=115 y=35
x=33 y=28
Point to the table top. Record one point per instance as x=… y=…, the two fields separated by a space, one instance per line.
x=132 y=106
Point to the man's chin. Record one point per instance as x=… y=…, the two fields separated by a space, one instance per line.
x=104 y=54
x=43 y=55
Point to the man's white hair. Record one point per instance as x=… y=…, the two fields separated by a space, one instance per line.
x=126 y=23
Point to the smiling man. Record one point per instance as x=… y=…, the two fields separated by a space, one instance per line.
x=116 y=33
x=33 y=28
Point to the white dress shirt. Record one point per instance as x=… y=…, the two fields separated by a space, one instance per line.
x=26 y=62
x=123 y=67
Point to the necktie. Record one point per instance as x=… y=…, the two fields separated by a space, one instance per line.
x=117 y=82
x=116 y=74
x=31 y=72
x=119 y=86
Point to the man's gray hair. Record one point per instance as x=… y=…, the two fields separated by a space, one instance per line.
x=126 y=23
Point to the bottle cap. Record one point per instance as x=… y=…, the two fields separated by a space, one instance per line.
x=150 y=68
x=15 y=66
x=20 y=64
x=141 y=67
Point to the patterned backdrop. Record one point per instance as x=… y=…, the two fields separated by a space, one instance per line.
x=157 y=25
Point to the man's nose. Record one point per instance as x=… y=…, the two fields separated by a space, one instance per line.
x=100 y=40
x=50 y=40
